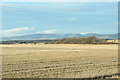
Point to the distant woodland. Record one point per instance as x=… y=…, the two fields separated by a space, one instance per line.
x=81 y=40
x=24 y=41
x=74 y=40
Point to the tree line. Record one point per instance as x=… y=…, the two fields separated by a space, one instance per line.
x=23 y=41
x=74 y=40
x=81 y=40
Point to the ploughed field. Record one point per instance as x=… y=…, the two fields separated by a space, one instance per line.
x=59 y=60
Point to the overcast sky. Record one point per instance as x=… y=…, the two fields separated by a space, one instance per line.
x=81 y=17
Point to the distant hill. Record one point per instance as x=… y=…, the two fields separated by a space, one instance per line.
x=59 y=36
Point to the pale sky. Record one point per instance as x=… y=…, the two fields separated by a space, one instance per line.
x=22 y=18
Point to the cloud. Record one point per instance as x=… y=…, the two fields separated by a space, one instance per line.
x=90 y=33
x=13 y=5
x=18 y=29
x=47 y=32
x=73 y=19
x=15 y=31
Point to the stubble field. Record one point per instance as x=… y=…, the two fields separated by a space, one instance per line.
x=58 y=60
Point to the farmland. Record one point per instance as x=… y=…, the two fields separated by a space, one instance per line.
x=59 y=60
